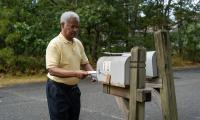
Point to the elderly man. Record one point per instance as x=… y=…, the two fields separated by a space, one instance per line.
x=64 y=56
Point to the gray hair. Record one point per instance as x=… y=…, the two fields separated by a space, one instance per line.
x=67 y=15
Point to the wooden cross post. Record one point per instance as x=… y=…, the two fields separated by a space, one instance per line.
x=167 y=91
x=132 y=98
x=136 y=100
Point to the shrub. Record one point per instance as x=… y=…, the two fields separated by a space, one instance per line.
x=6 y=59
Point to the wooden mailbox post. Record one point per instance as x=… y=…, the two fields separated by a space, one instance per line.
x=133 y=97
x=167 y=91
x=137 y=86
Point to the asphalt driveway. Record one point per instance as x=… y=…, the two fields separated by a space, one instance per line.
x=28 y=102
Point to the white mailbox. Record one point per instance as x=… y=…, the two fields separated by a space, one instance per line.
x=151 y=64
x=119 y=68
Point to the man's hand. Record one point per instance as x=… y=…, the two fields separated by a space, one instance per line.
x=89 y=68
x=93 y=79
x=81 y=74
x=92 y=76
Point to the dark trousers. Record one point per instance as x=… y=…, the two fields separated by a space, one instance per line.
x=63 y=101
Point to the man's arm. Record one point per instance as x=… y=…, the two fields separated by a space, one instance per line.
x=60 y=72
x=87 y=67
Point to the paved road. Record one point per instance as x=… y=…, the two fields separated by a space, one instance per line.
x=28 y=102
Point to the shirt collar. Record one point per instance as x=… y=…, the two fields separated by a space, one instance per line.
x=64 y=39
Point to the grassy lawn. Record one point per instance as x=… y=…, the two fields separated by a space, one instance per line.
x=8 y=80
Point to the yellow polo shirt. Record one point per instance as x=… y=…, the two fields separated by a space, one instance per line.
x=65 y=54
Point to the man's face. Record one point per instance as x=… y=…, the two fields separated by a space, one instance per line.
x=70 y=28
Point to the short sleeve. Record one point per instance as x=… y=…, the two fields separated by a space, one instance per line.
x=84 y=59
x=52 y=56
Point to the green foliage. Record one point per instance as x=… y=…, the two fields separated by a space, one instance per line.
x=4 y=25
x=29 y=65
x=6 y=59
x=186 y=38
x=12 y=39
x=26 y=27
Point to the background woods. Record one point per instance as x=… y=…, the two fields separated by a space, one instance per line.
x=26 y=27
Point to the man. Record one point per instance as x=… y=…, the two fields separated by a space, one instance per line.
x=64 y=57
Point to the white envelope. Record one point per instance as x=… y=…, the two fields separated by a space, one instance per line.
x=92 y=72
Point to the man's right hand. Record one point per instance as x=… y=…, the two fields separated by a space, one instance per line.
x=81 y=74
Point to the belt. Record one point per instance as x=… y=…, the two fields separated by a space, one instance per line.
x=62 y=85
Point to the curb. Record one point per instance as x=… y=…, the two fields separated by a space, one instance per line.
x=186 y=67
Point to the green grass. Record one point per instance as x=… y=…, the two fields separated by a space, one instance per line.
x=8 y=80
